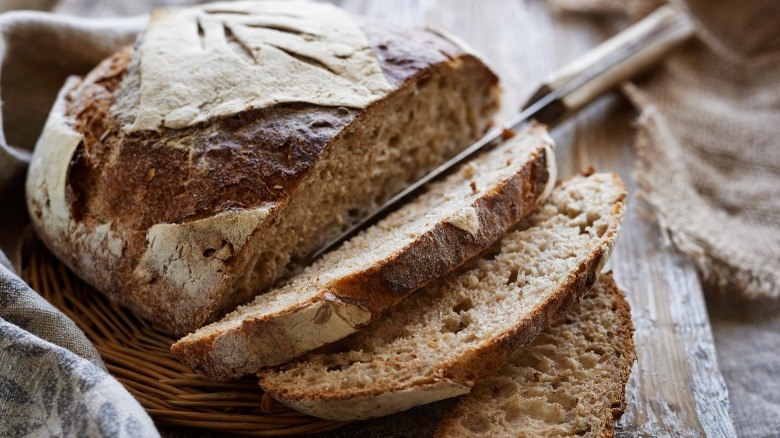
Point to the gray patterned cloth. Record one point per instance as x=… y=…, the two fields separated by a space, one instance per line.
x=52 y=381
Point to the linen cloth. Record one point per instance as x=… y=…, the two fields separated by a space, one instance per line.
x=709 y=146
x=52 y=381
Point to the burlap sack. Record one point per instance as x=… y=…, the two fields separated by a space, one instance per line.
x=709 y=165
x=708 y=140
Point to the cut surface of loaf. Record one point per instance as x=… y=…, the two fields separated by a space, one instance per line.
x=570 y=381
x=181 y=189
x=440 y=340
x=451 y=222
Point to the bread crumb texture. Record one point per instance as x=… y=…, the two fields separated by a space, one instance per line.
x=570 y=381
x=421 y=241
x=460 y=329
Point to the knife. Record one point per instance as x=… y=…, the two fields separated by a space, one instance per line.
x=561 y=94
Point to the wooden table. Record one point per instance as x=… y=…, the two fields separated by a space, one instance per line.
x=676 y=388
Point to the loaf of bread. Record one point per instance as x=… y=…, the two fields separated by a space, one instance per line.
x=451 y=222
x=570 y=381
x=184 y=175
x=441 y=340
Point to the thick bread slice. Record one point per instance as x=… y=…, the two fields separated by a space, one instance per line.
x=427 y=238
x=570 y=381
x=184 y=175
x=441 y=340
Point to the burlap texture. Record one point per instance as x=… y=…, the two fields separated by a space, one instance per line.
x=707 y=140
x=709 y=166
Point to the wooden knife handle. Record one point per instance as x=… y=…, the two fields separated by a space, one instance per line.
x=619 y=58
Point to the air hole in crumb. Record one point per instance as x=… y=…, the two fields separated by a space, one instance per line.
x=463 y=306
x=592 y=217
x=596 y=350
x=334 y=367
x=454 y=325
x=394 y=141
x=503 y=390
x=512 y=277
x=208 y=252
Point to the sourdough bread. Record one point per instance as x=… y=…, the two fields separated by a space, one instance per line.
x=459 y=330
x=182 y=175
x=570 y=381
x=453 y=221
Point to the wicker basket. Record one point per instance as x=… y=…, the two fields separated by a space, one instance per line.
x=139 y=356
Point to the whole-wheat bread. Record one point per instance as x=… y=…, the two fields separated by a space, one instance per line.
x=453 y=221
x=182 y=175
x=441 y=340
x=570 y=381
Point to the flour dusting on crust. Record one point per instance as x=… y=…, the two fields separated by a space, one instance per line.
x=224 y=58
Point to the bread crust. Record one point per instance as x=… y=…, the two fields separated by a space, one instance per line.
x=165 y=199
x=626 y=335
x=480 y=362
x=354 y=300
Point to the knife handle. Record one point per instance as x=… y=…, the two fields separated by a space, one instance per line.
x=619 y=58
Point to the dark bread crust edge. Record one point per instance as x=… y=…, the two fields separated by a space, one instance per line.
x=431 y=255
x=626 y=346
x=481 y=362
x=626 y=333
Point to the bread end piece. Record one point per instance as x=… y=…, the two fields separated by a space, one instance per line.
x=569 y=382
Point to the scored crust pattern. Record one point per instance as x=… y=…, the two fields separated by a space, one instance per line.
x=224 y=58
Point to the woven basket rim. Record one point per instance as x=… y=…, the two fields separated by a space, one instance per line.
x=139 y=357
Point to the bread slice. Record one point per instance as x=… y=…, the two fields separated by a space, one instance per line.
x=459 y=330
x=570 y=381
x=185 y=222
x=427 y=238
